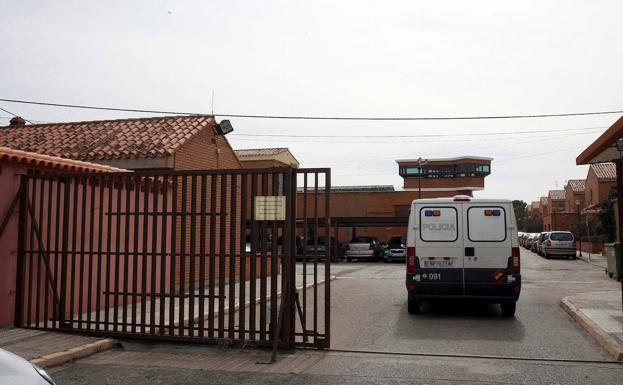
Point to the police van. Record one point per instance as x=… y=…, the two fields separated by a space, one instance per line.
x=463 y=248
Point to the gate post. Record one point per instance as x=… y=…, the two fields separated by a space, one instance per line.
x=21 y=252
x=64 y=247
x=288 y=330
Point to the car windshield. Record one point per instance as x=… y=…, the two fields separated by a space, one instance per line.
x=320 y=241
x=396 y=241
x=361 y=240
x=561 y=237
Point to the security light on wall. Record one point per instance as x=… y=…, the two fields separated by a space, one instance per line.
x=223 y=128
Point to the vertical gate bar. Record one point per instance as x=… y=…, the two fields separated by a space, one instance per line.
x=327 y=260
x=83 y=205
x=193 y=240
x=182 y=276
x=292 y=184
x=100 y=232
x=74 y=248
x=118 y=190
x=202 y=255
x=243 y=262
x=273 y=265
x=305 y=232
x=253 y=257
x=91 y=183
x=145 y=220
x=232 y=255
x=21 y=246
x=315 y=256
x=154 y=253
x=126 y=251
x=57 y=247
x=40 y=255
x=49 y=287
x=31 y=254
x=65 y=240
x=211 y=293
x=137 y=200
x=263 y=273
x=172 y=294
x=163 y=249
x=221 y=256
x=111 y=186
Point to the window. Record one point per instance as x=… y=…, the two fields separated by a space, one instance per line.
x=561 y=237
x=439 y=224
x=483 y=225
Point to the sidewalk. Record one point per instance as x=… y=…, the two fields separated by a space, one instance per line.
x=46 y=349
x=593 y=258
x=601 y=315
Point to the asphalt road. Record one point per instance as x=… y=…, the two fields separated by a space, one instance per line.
x=369 y=314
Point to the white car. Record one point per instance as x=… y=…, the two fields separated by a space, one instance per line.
x=463 y=248
x=14 y=370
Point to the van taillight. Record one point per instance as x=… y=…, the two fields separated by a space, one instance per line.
x=516 y=264
x=411 y=265
x=549 y=243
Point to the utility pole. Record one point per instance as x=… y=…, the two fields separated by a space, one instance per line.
x=420 y=162
x=579 y=225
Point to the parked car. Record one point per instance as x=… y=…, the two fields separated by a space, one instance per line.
x=317 y=248
x=396 y=249
x=364 y=247
x=16 y=370
x=531 y=242
x=558 y=243
x=539 y=243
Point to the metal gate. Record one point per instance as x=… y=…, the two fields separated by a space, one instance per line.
x=206 y=256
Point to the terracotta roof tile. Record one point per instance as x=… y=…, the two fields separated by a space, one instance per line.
x=543 y=201
x=107 y=139
x=259 y=151
x=40 y=160
x=577 y=185
x=605 y=171
x=556 y=195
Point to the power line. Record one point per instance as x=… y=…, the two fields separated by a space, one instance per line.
x=15 y=115
x=394 y=142
x=418 y=136
x=303 y=117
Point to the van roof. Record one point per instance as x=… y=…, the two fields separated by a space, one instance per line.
x=451 y=200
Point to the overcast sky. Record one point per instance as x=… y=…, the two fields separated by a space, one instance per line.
x=328 y=58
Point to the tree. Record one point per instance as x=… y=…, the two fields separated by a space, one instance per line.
x=521 y=214
x=607 y=224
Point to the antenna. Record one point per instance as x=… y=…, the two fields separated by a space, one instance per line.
x=212 y=102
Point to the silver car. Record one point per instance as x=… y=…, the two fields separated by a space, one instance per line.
x=558 y=243
x=364 y=247
x=14 y=370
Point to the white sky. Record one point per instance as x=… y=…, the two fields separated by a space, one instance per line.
x=361 y=58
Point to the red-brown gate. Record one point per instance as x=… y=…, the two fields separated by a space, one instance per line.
x=206 y=256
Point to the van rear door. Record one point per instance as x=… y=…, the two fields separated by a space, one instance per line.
x=439 y=248
x=488 y=246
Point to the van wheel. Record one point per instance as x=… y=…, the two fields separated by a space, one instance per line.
x=414 y=307
x=508 y=309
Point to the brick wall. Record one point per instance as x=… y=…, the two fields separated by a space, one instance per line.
x=596 y=190
x=207 y=151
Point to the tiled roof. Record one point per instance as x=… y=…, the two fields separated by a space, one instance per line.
x=535 y=205
x=556 y=195
x=107 y=139
x=605 y=171
x=259 y=151
x=336 y=189
x=543 y=201
x=577 y=185
x=54 y=162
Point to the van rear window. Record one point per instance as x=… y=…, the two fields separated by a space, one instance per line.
x=439 y=224
x=486 y=224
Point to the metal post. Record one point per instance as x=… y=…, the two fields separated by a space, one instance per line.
x=420 y=162
x=21 y=245
x=619 y=169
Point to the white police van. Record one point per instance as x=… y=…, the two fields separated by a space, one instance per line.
x=463 y=248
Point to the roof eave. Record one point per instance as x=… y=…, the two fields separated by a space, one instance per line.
x=592 y=153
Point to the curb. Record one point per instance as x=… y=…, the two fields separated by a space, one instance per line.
x=607 y=342
x=247 y=304
x=59 y=358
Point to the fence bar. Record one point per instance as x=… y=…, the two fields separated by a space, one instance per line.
x=263 y=251
x=202 y=254
x=211 y=293
x=172 y=267
x=163 y=251
x=254 y=245
x=129 y=186
x=145 y=222
x=243 y=260
x=221 y=254
x=154 y=256
x=232 y=255
x=136 y=189
x=193 y=244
